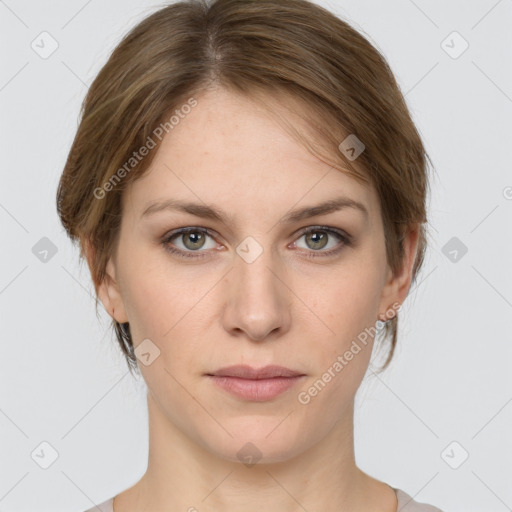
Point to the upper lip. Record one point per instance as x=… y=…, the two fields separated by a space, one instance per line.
x=248 y=372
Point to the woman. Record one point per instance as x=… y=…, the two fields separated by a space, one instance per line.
x=249 y=190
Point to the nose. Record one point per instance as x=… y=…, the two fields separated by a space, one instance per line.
x=257 y=301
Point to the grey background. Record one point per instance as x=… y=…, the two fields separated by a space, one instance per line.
x=62 y=378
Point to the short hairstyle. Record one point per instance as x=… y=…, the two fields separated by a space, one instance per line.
x=289 y=48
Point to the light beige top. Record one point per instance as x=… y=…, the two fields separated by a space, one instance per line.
x=405 y=504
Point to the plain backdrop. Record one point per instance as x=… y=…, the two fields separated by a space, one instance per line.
x=436 y=424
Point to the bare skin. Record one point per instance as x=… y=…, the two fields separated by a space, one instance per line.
x=219 y=310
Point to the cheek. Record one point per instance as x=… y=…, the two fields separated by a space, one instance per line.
x=348 y=304
x=150 y=294
x=164 y=303
x=349 y=301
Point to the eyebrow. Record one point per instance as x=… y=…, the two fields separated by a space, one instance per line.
x=211 y=212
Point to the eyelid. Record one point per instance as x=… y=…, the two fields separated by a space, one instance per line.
x=331 y=229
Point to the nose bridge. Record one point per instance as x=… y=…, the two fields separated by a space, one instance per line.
x=258 y=300
x=256 y=270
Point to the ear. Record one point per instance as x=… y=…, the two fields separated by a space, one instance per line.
x=107 y=290
x=397 y=286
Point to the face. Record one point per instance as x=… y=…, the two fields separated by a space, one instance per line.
x=256 y=288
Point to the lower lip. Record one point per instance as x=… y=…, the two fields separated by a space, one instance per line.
x=256 y=390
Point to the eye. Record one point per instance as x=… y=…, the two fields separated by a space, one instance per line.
x=319 y=237
x=192 y=240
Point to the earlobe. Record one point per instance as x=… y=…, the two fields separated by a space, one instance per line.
x=108 y=289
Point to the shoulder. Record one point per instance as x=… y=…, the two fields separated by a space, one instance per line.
x=407 y=504
x=106 y=506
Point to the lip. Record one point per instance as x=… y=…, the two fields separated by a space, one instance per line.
x=244 y=371
x=253 y=384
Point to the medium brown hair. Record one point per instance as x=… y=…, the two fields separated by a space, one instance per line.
x=290 y=48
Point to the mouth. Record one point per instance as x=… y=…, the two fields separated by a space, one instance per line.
x=256 y=385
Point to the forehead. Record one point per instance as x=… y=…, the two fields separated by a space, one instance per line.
x=232 y=151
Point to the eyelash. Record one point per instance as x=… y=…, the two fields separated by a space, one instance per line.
x=345 y=239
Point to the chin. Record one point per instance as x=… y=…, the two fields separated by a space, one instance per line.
x=255 y=445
